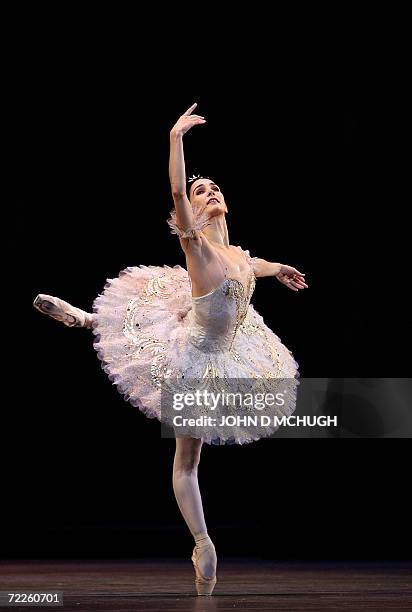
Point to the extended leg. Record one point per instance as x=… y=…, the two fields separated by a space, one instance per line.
x=186 y=489
x=63 y=311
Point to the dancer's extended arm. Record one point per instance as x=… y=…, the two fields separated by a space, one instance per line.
x=177 y=171
x=287 y=275
x=265 y=268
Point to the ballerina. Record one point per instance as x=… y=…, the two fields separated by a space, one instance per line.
x=156 y=324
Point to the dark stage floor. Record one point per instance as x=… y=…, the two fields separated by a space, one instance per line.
x=250 y=584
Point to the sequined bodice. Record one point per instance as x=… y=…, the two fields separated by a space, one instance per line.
x=216 y=316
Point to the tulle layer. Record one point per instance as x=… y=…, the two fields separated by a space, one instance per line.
x=141 y=323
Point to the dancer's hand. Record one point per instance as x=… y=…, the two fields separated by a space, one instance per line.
x=187 y=121
x=291 y=277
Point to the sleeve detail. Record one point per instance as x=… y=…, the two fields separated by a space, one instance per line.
x=200 y=221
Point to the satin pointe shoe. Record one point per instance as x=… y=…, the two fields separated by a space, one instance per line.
x=204 y=586
x=62 y=311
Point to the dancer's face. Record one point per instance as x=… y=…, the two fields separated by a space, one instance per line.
x=204 y=192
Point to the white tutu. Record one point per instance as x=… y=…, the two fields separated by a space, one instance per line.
x=150 y=332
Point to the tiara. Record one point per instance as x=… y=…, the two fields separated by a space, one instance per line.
x=194 y=177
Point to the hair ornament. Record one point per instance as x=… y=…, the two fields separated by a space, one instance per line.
x=194 y=177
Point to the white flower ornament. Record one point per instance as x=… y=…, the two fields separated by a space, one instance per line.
x=194 y=177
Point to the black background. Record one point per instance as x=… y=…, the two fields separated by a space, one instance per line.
x=306 y=107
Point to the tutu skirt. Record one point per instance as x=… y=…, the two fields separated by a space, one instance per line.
x=141 y=325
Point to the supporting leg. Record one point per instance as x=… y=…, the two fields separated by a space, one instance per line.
x=187 y=493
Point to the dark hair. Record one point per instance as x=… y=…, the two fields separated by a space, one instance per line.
x=191 y=180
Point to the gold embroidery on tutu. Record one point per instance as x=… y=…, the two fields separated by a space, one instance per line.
x=156 y=286
x=210 y=371
x=250 y=329
x=242 y=299
x=145 y=341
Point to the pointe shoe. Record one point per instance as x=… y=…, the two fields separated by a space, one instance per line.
x=204 y=586
x=62 y=311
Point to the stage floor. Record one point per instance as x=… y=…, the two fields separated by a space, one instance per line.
x=250 y=584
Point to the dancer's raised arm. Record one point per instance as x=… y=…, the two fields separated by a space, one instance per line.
x=177 y=171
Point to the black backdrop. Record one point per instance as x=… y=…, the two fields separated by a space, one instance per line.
x=306 y=110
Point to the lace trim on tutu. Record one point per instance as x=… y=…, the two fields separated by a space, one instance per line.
x=200 y=221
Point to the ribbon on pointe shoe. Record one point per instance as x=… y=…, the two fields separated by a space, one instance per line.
x=204 y=585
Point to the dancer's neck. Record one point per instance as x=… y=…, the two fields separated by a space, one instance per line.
x=216 y=232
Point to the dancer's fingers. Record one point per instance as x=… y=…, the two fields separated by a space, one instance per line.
x=190 y=109
x=300 y=283
x=298 y=278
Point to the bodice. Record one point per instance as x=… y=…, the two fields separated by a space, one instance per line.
x=216 y=316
